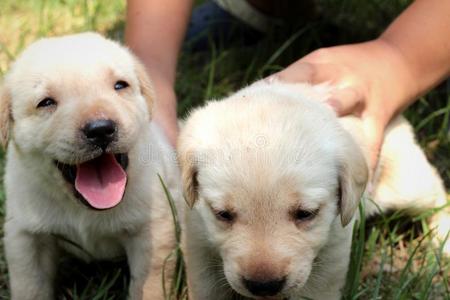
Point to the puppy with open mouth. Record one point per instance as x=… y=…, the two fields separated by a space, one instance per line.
x=274 y=179
x=82 y=165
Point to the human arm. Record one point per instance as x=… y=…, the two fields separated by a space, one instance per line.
x=378 y=79
x=154 y=31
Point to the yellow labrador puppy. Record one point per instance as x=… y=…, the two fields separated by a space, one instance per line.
x=274 y=179
x=82 y=164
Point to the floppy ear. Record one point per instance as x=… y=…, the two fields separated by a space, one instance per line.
x=189 y=174
x=145 y=85
x=353 y=176
x=5 y=115
x=189 y=168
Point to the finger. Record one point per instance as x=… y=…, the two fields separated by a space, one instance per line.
x=306 y=72
x=345 y=101
x=297 y=72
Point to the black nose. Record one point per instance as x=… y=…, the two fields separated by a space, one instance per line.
x=264 y=288
x=100 y=132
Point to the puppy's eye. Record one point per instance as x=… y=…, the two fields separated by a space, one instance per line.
x=46 y=102
x=225 y=216
x=301 y=215
x=120 y=85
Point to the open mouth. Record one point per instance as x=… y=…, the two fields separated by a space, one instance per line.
x=100 y=182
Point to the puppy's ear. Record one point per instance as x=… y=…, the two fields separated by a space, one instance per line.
x=5 y=115
x=189 y=173
x=353 y=176
x=145 y=85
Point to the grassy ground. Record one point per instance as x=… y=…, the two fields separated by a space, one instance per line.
x=392 y=258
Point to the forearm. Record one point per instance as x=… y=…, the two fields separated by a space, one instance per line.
x=420 y=38
x=155 y=30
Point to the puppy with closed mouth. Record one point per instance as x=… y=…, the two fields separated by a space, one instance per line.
x=274 y=179
x=82 y=165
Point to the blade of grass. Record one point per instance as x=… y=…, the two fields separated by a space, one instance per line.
x=431 y=117
x=179 y=274
x=212 y=71
x=376 y=292
x=405 y=280
x=354 y=272
x=283 y=48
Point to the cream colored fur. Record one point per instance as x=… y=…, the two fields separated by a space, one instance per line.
x=79 y=72
x=268 y=150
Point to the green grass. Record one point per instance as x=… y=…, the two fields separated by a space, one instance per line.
x=392 y=256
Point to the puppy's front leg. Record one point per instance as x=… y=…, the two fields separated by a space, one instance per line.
x=32 y=263
x=137 y=248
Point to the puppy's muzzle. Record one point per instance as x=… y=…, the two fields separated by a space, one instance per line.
x=100 y=132
x=264 y=288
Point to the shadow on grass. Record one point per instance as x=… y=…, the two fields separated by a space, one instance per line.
x=98 y=280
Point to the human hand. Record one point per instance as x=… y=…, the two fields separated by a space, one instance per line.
x=370 y=81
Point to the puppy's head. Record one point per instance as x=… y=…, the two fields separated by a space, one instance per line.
x=270 y=175
x=80 y=101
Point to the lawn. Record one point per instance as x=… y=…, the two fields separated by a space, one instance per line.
x=392 y=258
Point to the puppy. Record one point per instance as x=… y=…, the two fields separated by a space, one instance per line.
x=274 y=180
x=82 y=165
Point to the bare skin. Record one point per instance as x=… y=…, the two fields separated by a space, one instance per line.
x=155 y=30
x=376 y=80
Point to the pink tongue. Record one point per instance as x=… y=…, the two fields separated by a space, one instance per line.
x=101 y=181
